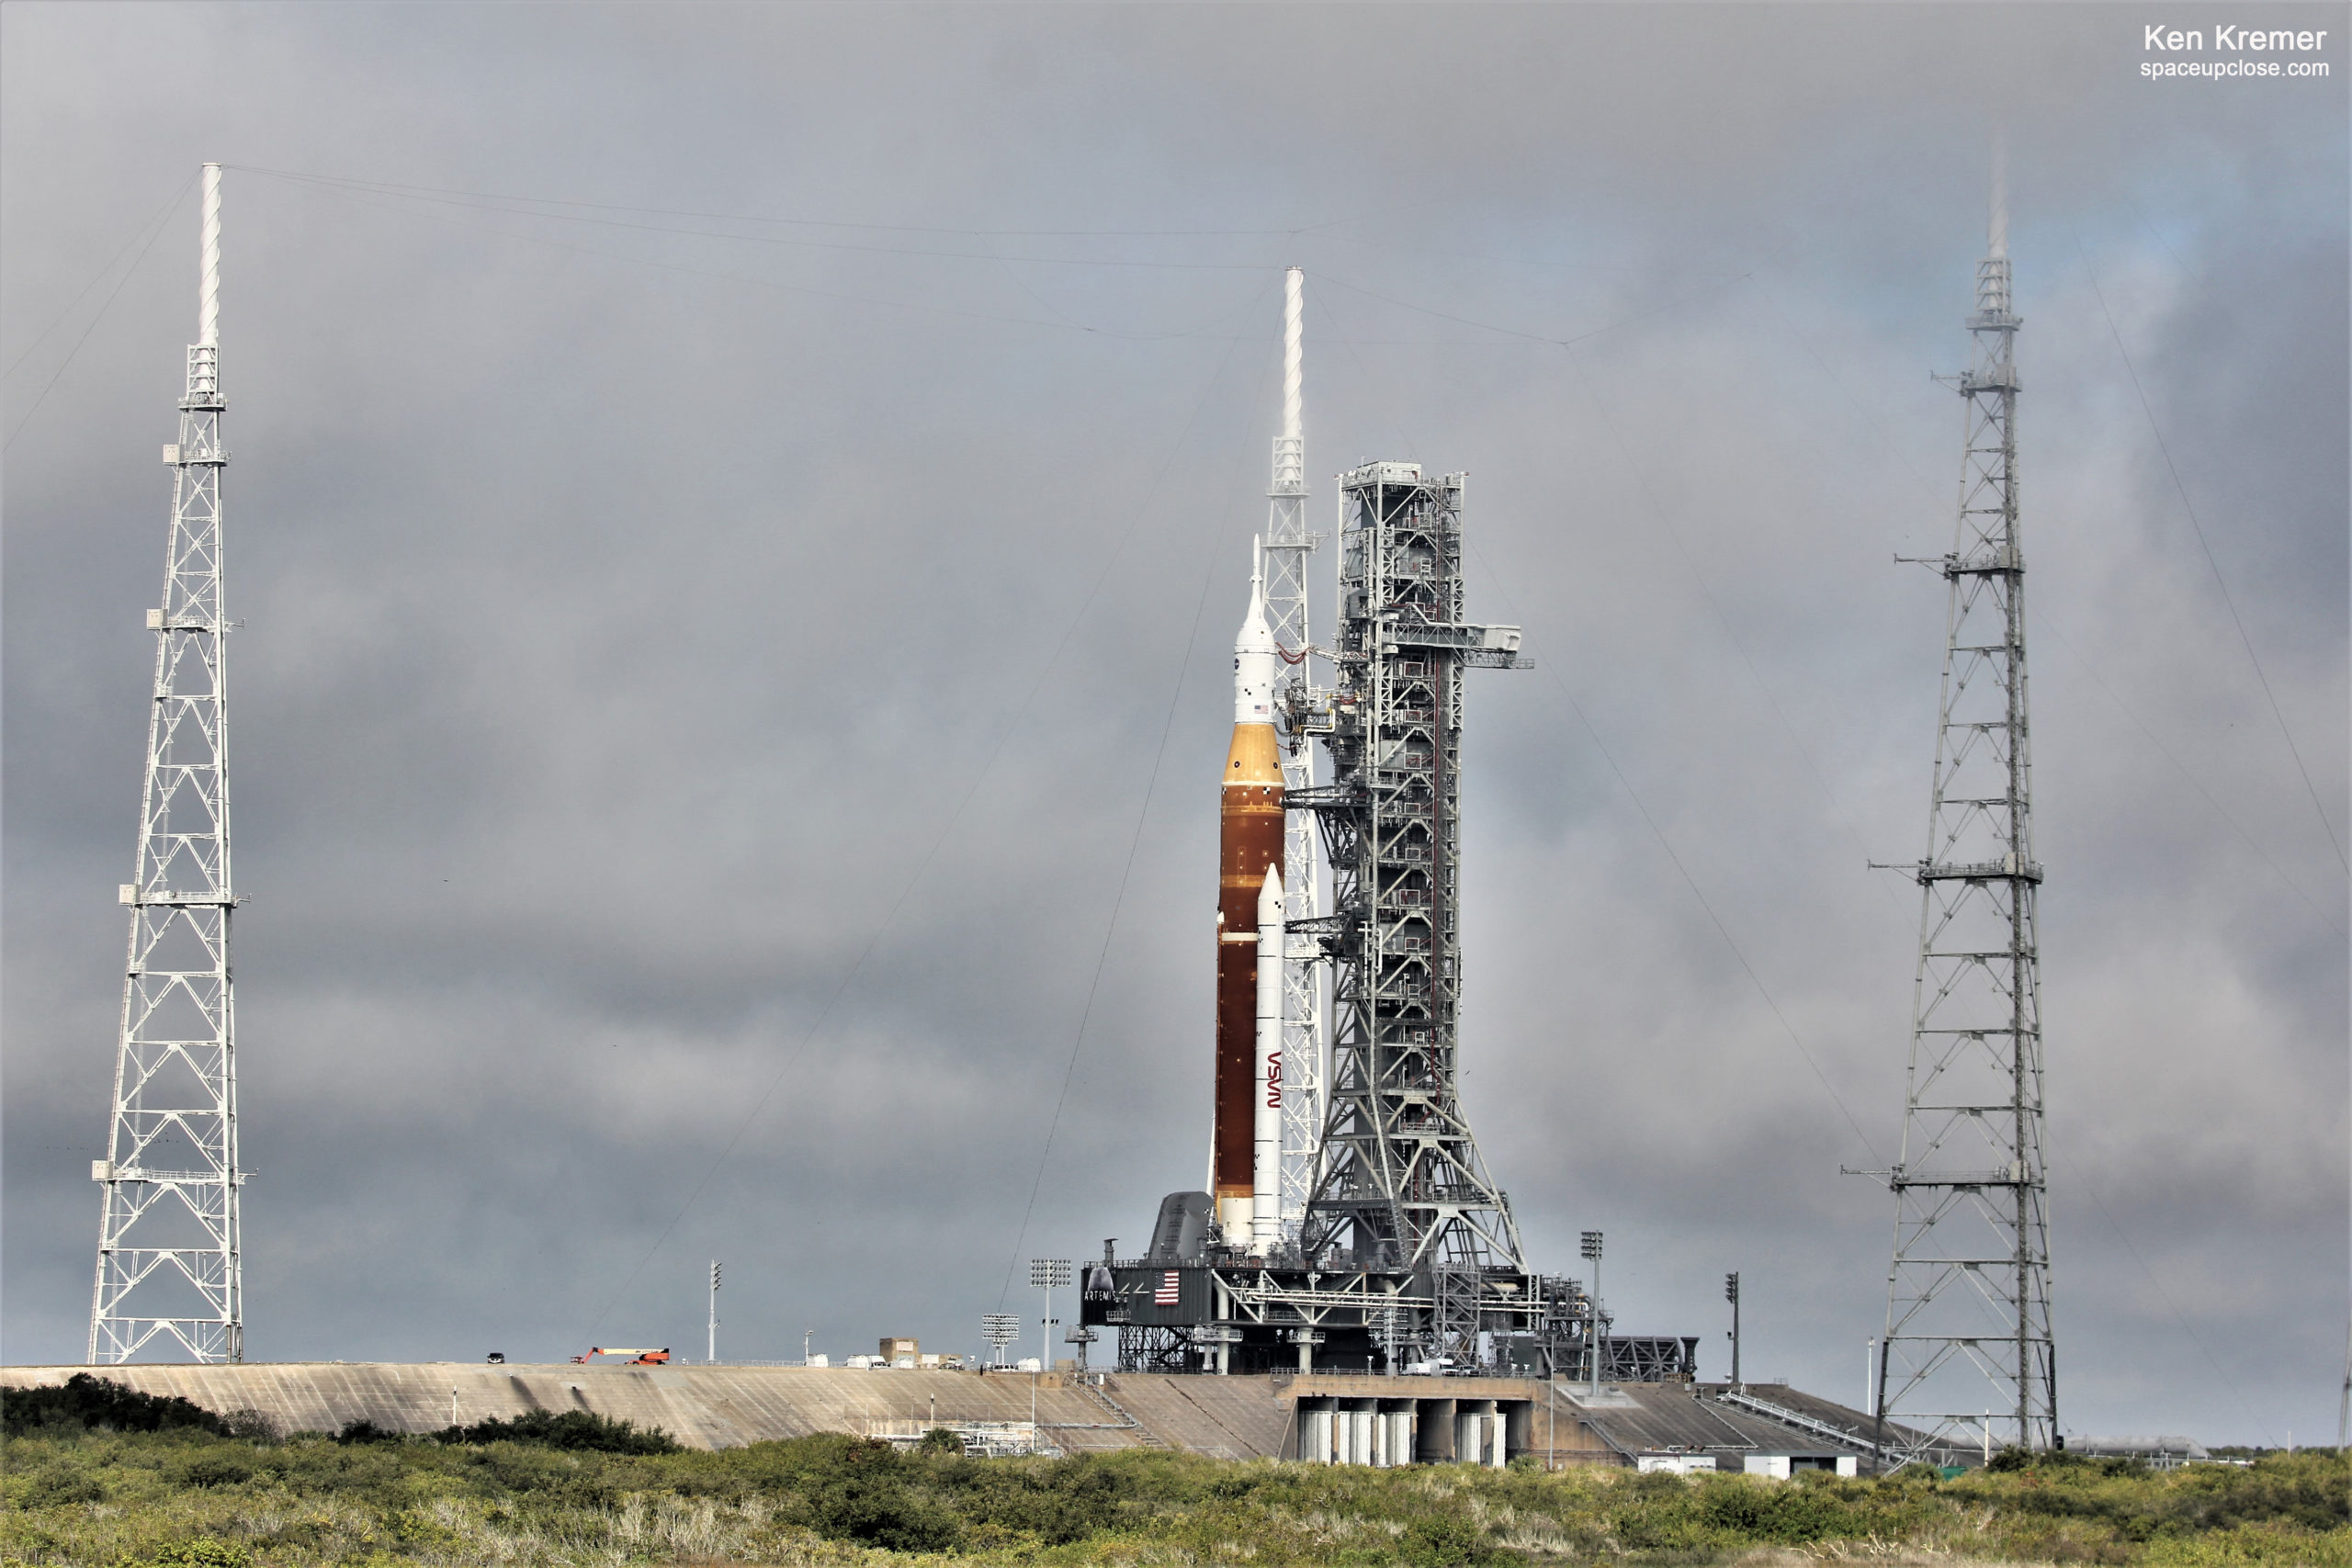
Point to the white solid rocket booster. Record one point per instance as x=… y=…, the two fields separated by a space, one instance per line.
x=1263 y=1215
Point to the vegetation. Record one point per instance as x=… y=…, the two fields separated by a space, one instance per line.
x=580 y=1431
x=99 y=1486
x=81 y=1401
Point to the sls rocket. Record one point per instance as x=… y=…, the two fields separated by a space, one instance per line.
x=1249 y=858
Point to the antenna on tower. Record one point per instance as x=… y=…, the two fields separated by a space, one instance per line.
x=1287 y=545
x=1968 y=1298
x=168 y=1264
x=1997 y=229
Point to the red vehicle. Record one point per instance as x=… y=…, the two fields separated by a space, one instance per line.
x=634 y=1358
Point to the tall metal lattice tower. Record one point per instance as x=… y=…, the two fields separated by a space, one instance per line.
x=1403 y=1187
x=168 y=1266
x=1288 y=544
x=1968 y=1327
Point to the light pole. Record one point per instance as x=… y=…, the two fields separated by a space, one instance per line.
x=1001 y=1329
x=1731 y=1294
x=712 y=1351
x=805 y=1336
x=1046 y=1273
x=1592 y=1255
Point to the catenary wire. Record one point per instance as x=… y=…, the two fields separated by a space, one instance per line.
x=1673 y=304
x=70 y=353
x=2041 y=619
x=1639 y=806
x=162 y=213
x=396 y=187
x=1659 y=832
x=979 y=776
x=766 y=239
x=2072 y=1171
x=1135 y=841
x=2196 y=528
x=2045 y=623
x=1707 y=592
x=363 y=200
x=2075 y=1174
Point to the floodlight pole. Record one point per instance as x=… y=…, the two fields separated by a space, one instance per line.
x=712 y=1353
x=1731 y=1294
x=1046 y=1273
x=1591 y=1249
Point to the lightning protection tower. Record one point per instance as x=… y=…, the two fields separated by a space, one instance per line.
x=1968 y=1298
x=1403 y=1187
x=1288 y=544
x=168 y=1269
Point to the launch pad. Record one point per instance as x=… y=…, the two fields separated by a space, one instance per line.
x=1221 y=1313
x=1404 y=1258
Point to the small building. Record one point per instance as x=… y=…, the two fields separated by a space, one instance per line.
x=1677 y=1463
x=894 y=1347
x=2168 y=1452
x=1779 y=1467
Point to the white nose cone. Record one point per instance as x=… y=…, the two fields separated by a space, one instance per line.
x=1270 y=899
x=1255 y=662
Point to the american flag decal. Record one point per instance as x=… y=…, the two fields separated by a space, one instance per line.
x=1166 y=1295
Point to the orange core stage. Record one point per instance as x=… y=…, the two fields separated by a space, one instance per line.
x=1249 y=842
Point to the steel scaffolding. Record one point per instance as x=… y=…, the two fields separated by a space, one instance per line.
x=1403 y=1185
x=168 y=1267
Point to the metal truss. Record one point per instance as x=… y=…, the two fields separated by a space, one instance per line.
x=1288 y=544
x=1968 y=1352
x=1403 y=1188
x=169 y=1271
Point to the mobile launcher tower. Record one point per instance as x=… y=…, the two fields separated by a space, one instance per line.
x=1404 y=1256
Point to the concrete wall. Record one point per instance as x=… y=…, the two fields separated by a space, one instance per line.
x=721 y=1406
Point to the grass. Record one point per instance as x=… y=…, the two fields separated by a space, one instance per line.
x=191 y=1498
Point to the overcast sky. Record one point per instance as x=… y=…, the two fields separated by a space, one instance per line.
x=737 y=515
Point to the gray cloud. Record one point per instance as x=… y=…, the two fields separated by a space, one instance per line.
x=677 y=666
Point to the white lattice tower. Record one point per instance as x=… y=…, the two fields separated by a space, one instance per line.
x=168 y=1266
x=1288 y=544
x=1968 y=1303
x=1403 y=1187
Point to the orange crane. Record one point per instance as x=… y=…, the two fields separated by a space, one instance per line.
x=635 y=1357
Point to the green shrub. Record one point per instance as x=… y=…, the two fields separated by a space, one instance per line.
x=209 y=1467
x=59 y=1485
x=84 y=1402
x=182 y=1498
x=579 y=1430
x=366 y=1431
x=1448 y=1541
x=204 y=1551
x=881 y=1510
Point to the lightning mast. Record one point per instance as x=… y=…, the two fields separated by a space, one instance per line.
x=1288 y=544
x=1968 y=1298
x=168 y=1264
